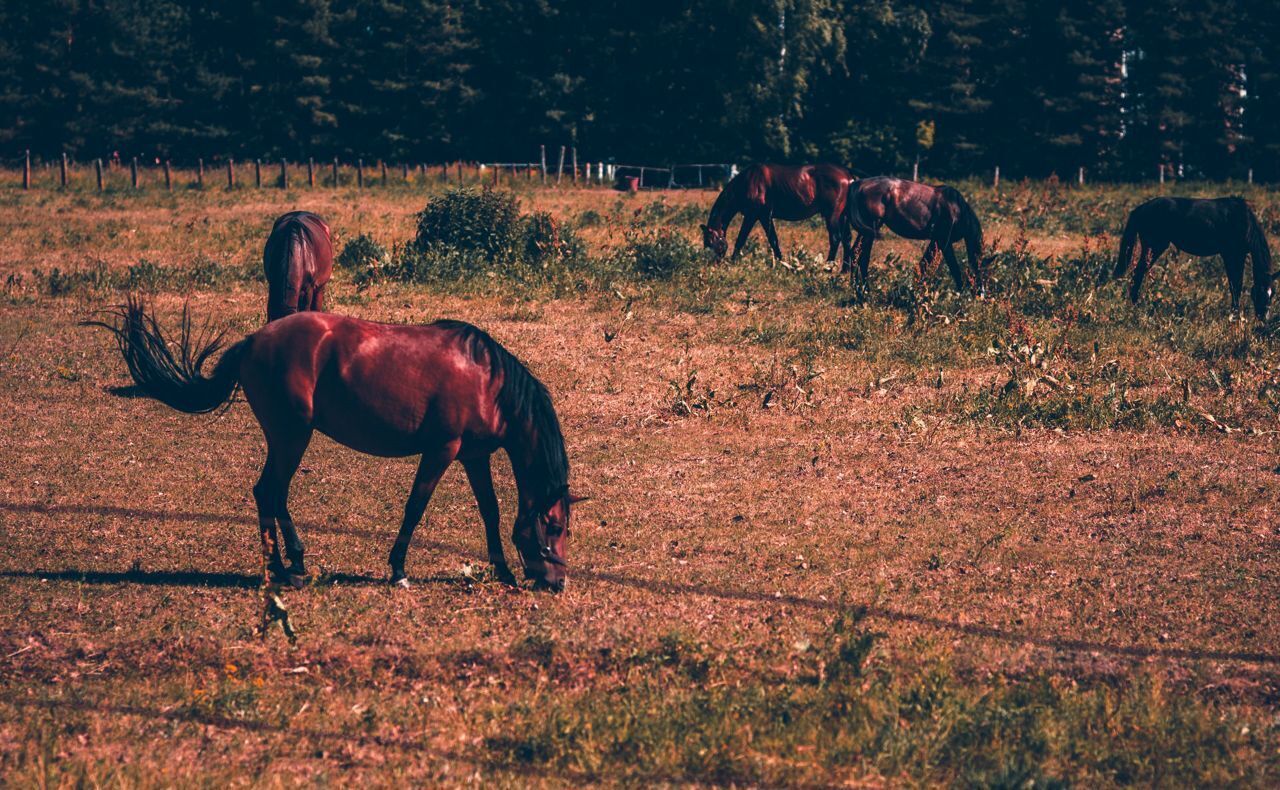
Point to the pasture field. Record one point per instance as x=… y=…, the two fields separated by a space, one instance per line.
x=910 y=538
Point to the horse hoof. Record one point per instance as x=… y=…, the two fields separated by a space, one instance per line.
x=505 y=576
x=403 y=583
x=299 y=580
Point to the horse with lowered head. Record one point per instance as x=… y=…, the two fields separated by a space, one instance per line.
x=937 y=214
x=763 y=193
x=446 y=391
x=1201 y=226
x=298 y=261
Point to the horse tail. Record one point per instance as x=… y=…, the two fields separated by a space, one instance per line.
x=284 y=259
x=1127 y=243
x=969 y=228
x=853 y=213
x=177 y=382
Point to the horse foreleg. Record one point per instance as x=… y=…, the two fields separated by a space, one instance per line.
x=771 y=233
x=430 y=469
x=953 y=265
x=748 y=222
x=480 y=475
x=833 y=241
x=863 y=245
x=1235 y=281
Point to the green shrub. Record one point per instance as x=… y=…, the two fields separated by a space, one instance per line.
x=483 y=222
x=660 y=253
x=363 y=252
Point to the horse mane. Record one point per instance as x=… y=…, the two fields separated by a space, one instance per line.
x=523 y=399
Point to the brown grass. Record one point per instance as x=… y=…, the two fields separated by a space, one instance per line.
x=126 y=646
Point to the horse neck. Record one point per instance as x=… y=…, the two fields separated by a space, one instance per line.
x=722 y=211
x=524 y=449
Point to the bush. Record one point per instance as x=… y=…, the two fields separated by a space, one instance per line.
x=363 y=252
x=659 y=254
x=484 y=222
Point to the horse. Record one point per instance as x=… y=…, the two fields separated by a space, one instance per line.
x=1200 y=226
x=298 y=262
x=446 y=391
x=937 y=214
x=762 y=193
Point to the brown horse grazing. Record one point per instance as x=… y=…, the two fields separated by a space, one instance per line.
x=763 y=193
x=937 y=214
x=446 y=391
x=1200 y=226
x=299 y=262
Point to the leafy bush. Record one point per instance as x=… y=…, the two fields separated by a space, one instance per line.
x=485 y=222
x=659 y=253
x=363 y=252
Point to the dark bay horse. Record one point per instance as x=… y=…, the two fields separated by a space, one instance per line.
x=298 y=262
x=1200 y=226
x=937 y=214
x=763 y=193
x=446 y=391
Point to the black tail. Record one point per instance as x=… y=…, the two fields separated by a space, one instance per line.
x=176 y=382
x=1127 y=243
x=968 y=227
x=1260 y=254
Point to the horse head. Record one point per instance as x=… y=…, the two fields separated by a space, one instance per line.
x=542 y=537
x=714 y=240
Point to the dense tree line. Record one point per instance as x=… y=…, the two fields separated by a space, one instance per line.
x=1116 y=86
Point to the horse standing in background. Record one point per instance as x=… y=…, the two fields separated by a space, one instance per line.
x=445 y=391
x=763 y=193
x=298 y=262
x=1200 y=226
x=937 y=214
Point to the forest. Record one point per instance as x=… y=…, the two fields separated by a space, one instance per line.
x=1118 y=87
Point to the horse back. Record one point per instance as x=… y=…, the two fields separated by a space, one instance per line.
x=382 y=389
x=300 y=246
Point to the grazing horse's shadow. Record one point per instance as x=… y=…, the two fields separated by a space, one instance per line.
x=656 y=586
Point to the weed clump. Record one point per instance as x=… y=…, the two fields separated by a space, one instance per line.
x=363 y=252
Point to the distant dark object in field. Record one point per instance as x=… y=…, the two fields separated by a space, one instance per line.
x=298 y=262
x=763 y=193
x=446 y=391
x=937 y=214
x=1200 y=226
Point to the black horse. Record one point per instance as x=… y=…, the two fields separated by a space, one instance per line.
x=1200 y=226
x=937 y=214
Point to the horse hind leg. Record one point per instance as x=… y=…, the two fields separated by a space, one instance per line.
x=284 y=454
x=771 y=233
x=953 y=265
x=1147 y=257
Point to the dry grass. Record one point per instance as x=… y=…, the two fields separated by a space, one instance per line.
x=763 y=457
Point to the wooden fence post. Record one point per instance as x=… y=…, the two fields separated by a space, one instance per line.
x=62 y=175
x=311 y=172
x=459 y=173
x=359 y=174
x=383 y=166
x=404 y=172
x=97 y=167
x=995 y=181
x=560 y=167
x=284 y=173
x=915 y=169
x=26 y=170
x=1251 y=176
x=575 y=164
x=168 y=177
x=133 y=171
x=257 y=173
x=199 y=174
x=1162 y=172
x=231 y=173
x=1080 y=176
x=335 y=172
x=543 y=149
